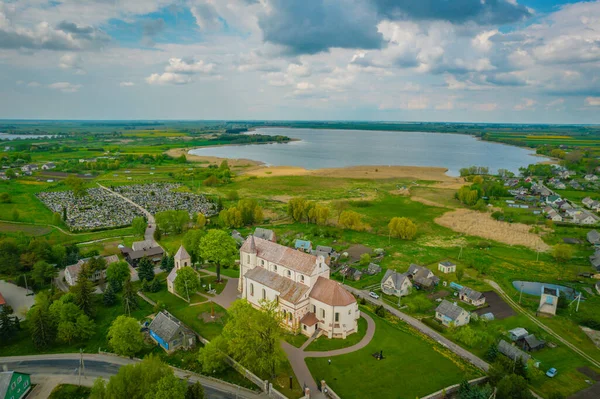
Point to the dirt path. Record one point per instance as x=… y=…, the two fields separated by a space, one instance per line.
x=483 y=225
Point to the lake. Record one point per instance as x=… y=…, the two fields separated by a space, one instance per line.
x=331 y=148
x=8 y=136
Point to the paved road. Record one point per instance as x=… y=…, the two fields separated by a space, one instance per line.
x=296 y=357
x=542 y=325
x=67 y=365
x=465 y=354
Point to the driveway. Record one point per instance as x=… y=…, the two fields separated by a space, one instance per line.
x=16 y=297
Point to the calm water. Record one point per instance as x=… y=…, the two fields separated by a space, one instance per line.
x=322 y=148
x=7 y=136
x=532 y=288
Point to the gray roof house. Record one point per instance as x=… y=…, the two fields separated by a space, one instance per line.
x=512 y=352
x=422 y=277
x=593 y=237
x=394 y=283
x=532 y=343
x=170 y=333
x=471 y=296
x=450 y=314
x=373 y=268
x=265 y=234
x=517 y=333
x=595 y=260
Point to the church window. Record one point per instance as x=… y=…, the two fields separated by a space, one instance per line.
x=264 y=294
x=251 y=289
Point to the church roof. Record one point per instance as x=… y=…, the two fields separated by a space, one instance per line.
x=331 y=293
x=284 y=256
x=172 y=275
x=182 y=254
x=288 y=289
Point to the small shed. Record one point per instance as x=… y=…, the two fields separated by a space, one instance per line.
x=512 y=352
x=517 y=333
x=373 y=268
x=171 y=334
x=303 y=245
x=531 y=343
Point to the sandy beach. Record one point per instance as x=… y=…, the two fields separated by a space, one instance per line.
x=256 y=168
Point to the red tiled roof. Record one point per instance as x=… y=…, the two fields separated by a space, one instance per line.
x=281 y=255
x=331 y=293
x=2 y=301
x=309 y=319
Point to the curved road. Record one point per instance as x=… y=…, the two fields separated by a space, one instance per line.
x=105 y=366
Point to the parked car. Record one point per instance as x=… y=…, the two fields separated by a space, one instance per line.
x=552 y=372
x=373 y=295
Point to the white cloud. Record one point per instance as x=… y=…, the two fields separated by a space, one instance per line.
x=168 y=78
x=65 y=87
x=556 y=103
x=593 y=101
x=126 y=84
x=526 y=104
x=180 y=71
x=33 y=84
x=72 y=61
x=177 y=65
x=486 y=107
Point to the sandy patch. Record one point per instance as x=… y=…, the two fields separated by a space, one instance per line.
x=177 y=152
x=425 y=201
x=454 y=185
x=266 y=171
x=439 y=242
x=482 y=225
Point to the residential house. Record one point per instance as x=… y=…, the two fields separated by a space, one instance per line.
x=531 y=343
x=72 y=271
x=14 y=385
x=595 y=260
x=452 y=315
x=447 y=267
x=181 y=259
x=585 y=218
x=587 y=201
x=394 y=283
x=237 y=236
x=590 y=177
x=422 y=277
x=48 y=166
x=512 y=352
x=471 y=296
x=2 y=301
x=517 y=334
x=553 y=199
x=575 y=185
x=171 y=334
x=593 y=237
x=548 y=301
x=29 y=168
x=373 y=269
x=303 y=245
x=325 y=251
x=265 y=234
x=351 y=273
x=299 y=282
x=141 y=245
x=540 y=190
x=143 y=249
x=3 y=176
x=554 y=216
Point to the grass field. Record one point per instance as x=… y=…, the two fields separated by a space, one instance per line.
x=413 y=366
x=68 y=391
x=325 y=344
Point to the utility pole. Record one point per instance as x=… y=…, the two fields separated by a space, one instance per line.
x=521 y=294
x=399 y=297
x=460 y=253
x=187 y=290
x=81 y=366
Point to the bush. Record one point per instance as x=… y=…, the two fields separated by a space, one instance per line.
x=362 y=301
x=433 y=323
x=380 y=311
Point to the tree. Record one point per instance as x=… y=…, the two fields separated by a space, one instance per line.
x=562 y=253
x=492 y=353
x=219 y=248
x=145 y=270
x=40 y=322
x=513 y=387
x=467 y=195
x=173 y=222
x=212 y=356
x=351 y=220
x=191 y=243
x=129 y=297
x=117 y=273
x=339 y=207
x=168 y=386
x=155 y=285
x=231 y=218
x=403 y=228
x=200 y=221
x=460 y=272
x=43 y=272
x=139 y=226
x=125 y=337
x=164 y=263
x=76 y=184
x=9 y=324
x=83 y=291
x=148 y=376
x=187 y=282
x=5 y=198
x=365 y=259
x=109 y=297
x=298 y=208
x=195 y=391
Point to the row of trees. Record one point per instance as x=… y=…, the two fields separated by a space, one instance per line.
x=246 y=213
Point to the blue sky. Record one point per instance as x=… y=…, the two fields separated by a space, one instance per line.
x=432 y=60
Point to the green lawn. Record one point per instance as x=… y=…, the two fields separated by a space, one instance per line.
x=68 y=391
x=325 y=344
x=296 y=340
x=227 y=272
x=413 y=366
x=191 y=315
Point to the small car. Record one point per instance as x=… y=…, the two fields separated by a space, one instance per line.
x=552 y=372
x=373 y=295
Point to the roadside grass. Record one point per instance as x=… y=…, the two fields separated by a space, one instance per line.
x=406 y=367
x=323 y=343
x=104 y=317
x=296 y=340
x=69 y=391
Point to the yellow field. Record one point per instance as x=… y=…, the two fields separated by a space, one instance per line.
x=536 y=137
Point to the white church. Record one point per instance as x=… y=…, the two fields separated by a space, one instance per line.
x=300 y=283
x=182 y=259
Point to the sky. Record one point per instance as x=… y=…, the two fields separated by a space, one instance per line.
x=512 y=61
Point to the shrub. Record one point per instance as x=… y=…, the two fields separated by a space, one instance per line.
x=380 y=311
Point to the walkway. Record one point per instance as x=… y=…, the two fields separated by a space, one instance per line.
x=542 y=325
x=296 y=357
x=465 y=354
x=229 y=294
x=149 y=234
